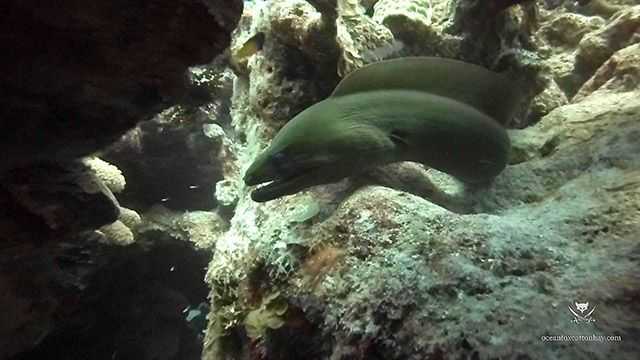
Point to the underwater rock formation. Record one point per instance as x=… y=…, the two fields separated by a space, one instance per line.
x=622 y=30
x=109 y=302
x=576 y=45
x=360 y=270
x=63 y=199
x=619 y=73
x=399 y=262
x=76 y=77
x=81 y=74
x=175 y=157
x=202 y=228
x=557 y=40
x=358 y=35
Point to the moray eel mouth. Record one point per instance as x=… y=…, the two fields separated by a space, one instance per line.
x=279 y=175
x=277 y=186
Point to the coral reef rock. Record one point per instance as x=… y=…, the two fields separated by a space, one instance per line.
x=594 y=49
x=54 y=201
x=76 y=77
x=202 y=228
x=620 y=73
x=81 y=74
x=366 y=269
x=100 y=301
x=357 y=35
x=176 y=157
x=576 y=45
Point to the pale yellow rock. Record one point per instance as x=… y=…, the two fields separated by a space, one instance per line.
x=109 y=174
x=550 y=98
x=117 y=233
x=622 y=30
x=129 y=217
x=564 y=31
x=620 y=73
x=358 y=35
x=202 y=228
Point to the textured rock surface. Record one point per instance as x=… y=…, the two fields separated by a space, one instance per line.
x=595 y=48
x=619 y=73
x=200 y=227
x=77 y=75
x=402 y=262
x=295 y=68
x=80 y=74
x=575 y=45
x=550 y=98
x=117 y=233
x=175 y=158
x=357 y=35
x=62 y=199
x=356 y=270
x=419 y=24
x=109 y=174
x=104 y=302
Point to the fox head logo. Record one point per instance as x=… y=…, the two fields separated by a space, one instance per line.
x=582 y=307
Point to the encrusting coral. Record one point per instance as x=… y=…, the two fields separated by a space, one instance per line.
x=201 y=228
x=109 y=174
x=119 y=232
x=357 y=36
x=369 y=271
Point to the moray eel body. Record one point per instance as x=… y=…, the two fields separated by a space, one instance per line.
x=444 y=113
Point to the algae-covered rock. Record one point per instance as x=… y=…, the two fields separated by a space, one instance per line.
x=357 y=35
x=285 y=74
x=550 y=98
x=565 y=30
x=109 y=174
x=129 y=217
x=574 y=45
x=117 y=233
x=416 y=279
x=620 y=73
x=419 y=24
x=227 y=192
x=405 y=262
x=595 y=48
x=414 y=11
x=270 y=315
x=201 y=228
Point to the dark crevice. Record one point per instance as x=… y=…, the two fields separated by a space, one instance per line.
x=127 y=303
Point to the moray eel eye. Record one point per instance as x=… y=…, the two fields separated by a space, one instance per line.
x=282 y=164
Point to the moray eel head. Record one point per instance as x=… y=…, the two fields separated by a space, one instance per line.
x=310 y=150
x=283 y=173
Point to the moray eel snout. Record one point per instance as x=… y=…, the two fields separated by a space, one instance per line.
x=275 y=176
x=278 y=174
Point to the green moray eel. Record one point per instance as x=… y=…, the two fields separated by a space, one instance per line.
x=444 y=113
